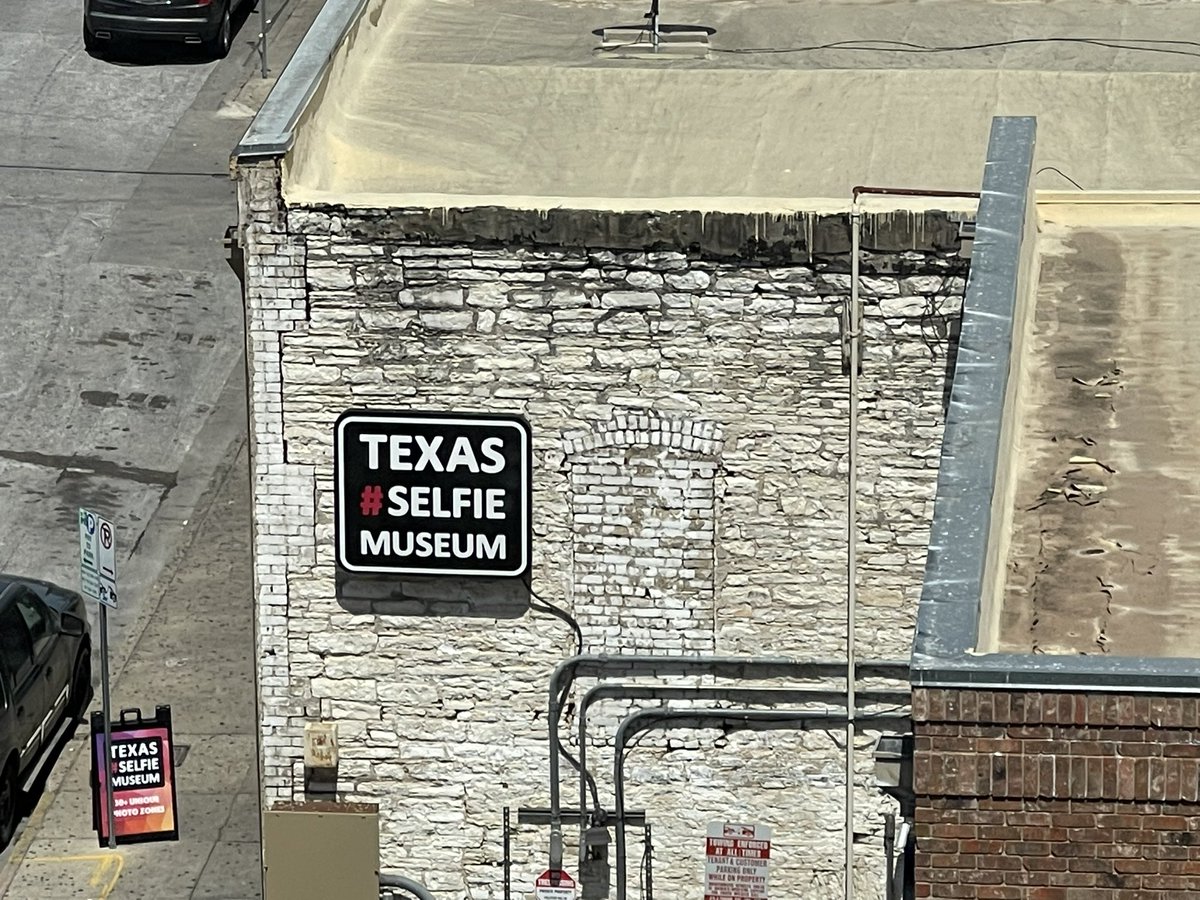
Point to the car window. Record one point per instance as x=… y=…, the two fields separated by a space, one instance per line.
x=16 y=646
x=37 y=620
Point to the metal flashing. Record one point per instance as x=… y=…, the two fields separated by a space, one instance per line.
x=272 y=131
x=956 y=573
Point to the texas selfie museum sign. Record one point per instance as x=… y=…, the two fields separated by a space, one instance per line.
x=432 y=493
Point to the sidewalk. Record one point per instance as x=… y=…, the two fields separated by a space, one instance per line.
x=195 y=654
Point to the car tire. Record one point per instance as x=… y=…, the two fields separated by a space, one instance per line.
x=9 y=798
x=218 y=45
x=81 y=684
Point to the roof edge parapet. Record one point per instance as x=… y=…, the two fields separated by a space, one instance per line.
x=966 y=546
x=272 y=131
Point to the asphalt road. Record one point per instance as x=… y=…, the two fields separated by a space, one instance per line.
x=121 y=364
x=122 y=320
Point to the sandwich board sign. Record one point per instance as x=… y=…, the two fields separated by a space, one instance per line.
x=735 y=861
x=141 y=772
x=547 y=887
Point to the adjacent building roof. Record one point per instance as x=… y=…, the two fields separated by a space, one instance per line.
x=508 y=102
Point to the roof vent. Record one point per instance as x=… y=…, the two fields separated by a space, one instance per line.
x=653 y=38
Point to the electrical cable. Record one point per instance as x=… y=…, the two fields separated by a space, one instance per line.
x=559 y=613
x=89 y=171
x=545 y=606
x=885 y=46
x=1060 y=172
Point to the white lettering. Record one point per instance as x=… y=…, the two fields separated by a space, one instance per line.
x=438 y=544
x=493 y=551
x=400 y=452
x=425 y=502
x=462 y=455
x=438 y=511
x=396 y=497
x=375 y=544
x=491 y=448
x=372 y=441
x=429 y=455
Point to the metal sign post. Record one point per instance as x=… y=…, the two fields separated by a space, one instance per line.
x=262 y=34
x=98 y=580
x=106 y=711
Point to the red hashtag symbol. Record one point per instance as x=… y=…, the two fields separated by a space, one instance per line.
x=372 y=500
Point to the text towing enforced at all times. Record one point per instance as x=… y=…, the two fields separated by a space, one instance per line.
x=432 y=493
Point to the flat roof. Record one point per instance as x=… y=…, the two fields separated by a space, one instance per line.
x=1103 y=547
x=508 y=103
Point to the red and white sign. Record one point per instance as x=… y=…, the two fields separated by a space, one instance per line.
x=735 y=861
x=547 y=887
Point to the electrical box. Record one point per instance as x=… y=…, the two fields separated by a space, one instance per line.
x=320 y=745
x=321 y=849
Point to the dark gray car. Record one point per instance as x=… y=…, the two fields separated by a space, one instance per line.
x=205 y=22
x=45 y=681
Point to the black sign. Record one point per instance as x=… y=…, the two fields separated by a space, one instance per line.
x=432 y=493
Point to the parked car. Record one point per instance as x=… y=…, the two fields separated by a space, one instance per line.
x=205 y=22
x=45 y=680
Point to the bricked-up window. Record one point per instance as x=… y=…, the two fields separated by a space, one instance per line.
x=642 y=504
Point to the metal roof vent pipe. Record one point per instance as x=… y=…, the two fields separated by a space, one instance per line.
x=654 y=38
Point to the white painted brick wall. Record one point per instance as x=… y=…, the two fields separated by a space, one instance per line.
x=689 y=455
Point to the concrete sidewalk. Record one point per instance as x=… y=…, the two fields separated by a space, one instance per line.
x=195 y=654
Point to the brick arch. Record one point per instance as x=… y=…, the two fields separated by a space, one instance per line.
x=687 y=435
x=643 y=513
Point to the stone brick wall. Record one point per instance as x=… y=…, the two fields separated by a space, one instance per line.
x=1056 y=796
x=689 y=418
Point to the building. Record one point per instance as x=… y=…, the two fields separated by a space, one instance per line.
x=448 y=208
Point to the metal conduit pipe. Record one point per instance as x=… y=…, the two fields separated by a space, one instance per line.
x=764 y=696
x=854 y=330
x=415 y=888
x=860 y=189
x=895 y=890
x=800 y=720
x=854 y=333
x=605 y=665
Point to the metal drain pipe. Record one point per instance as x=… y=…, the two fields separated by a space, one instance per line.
x=763 y=696
x=854 y=333
x=737 y=667
x=800 y=720
x=854 y=330
x=407 y=885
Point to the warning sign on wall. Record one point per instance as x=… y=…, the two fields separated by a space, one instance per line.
x=549 y=887
x=736 y=859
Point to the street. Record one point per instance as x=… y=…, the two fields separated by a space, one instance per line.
x=122 y=391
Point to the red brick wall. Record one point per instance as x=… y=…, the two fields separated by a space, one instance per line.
x=1056 y=796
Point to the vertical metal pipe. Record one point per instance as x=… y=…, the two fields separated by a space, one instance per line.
x=889 y=845
x=556 y=840
x=262 y=27
x=855 y=332
x=507 y=856
x=649 y=864
x=583 y=798
x=106 y=707
x=619 y=807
